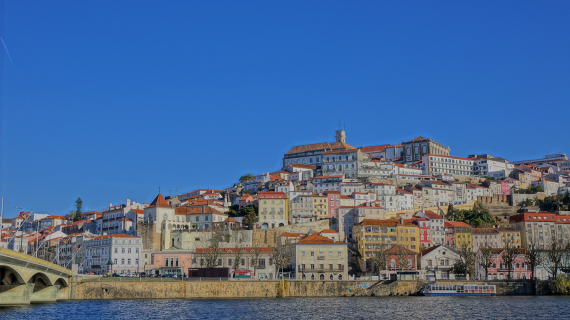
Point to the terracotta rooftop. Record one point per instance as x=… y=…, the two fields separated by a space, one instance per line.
x=316 y=239
x=320 y=146
x=159 y=202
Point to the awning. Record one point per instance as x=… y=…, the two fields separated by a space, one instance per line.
x=242 y=271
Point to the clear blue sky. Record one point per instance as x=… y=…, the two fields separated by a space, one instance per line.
x=111 y=100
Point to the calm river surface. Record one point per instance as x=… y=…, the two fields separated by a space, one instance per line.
x=521 y=307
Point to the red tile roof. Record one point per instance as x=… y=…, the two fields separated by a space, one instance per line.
x=272 y=195
x=328 y=231
x=432 y=215
x=315 y=239
x=379 y=148
x=159 y=201
x=226 y=250
x=320 y=146
x=300 y=165
x=455 y=224
x=119 y=235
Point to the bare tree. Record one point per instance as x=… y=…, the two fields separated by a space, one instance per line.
x=211 y=249
x=402 y=258
x=533 y=256
x=508 y=255
x=256 y=254
x=237 y=255
x=486 y=260
x=283 y=255
x=379 y=258
x=554 y=256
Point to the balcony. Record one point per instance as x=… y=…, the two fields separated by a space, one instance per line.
x=321 y=257
x=260 y=267
x=322 y=270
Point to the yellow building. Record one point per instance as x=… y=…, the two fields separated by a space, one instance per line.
x=273 y=209
x=458 y=235
x=371 y=234
x=320 y=206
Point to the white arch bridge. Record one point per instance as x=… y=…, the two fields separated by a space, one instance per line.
x=25 y=279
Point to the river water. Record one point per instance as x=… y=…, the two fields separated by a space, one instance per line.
x=411 y=308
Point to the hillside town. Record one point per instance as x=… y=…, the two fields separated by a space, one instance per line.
x=332 y=212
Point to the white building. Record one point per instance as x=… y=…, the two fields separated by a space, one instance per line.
x=124 y=251
x=432 y=164
x=437 y=226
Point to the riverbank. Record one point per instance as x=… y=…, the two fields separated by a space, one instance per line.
x=115 y=289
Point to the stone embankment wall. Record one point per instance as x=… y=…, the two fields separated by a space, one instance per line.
x=107 y=290
x=517 y=199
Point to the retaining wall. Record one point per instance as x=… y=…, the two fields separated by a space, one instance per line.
x=106 y=290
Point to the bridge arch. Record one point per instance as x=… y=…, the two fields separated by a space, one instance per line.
x=40 y=279
x=61 y=282
x=9 y=276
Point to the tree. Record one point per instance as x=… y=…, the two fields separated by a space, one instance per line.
x=538 y=189
x=223 y=194
x=566 y=199
x=508 y=256
x=402 y=256
x=450 y=212
x=486 y=260
x=246 y=177
x=466 y=262
x=256 y=253
x=533 y=256
x=554 y=255
x=211 y=250
x=283 y=255
x=237 y=255
x=246 y=192
x=77 y=212
x=250 y=220
x=379 y=258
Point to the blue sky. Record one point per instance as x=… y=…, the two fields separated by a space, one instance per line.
x=111 y=100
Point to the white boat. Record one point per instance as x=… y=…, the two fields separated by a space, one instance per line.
x=458 y=290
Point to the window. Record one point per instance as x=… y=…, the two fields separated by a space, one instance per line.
x=116 y=250
x=176 y=262
x=137 y=262
x=129 y=250
x=172 y=262
x=115 y=262
x=128 y=261
x=166 y=261
x=123 y=250
x=122 y=261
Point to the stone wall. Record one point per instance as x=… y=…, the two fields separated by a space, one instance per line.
x=316 y=226
x=106 y=290
x=150 y=238
x=517 y=199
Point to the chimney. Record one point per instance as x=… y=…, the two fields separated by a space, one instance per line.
x=128 y=202
x=401 y=220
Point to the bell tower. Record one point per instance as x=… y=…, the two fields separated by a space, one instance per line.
x=340 y=136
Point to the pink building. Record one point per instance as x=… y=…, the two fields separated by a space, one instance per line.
x=506 y=187
x=425 y=233
x=499 y=270
x=246 y=200
x=333 y=201
x=169 y=263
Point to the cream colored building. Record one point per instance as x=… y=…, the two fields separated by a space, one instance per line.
x=320 y=258
x=273 y=209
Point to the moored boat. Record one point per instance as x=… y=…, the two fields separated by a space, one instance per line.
x=458 y=290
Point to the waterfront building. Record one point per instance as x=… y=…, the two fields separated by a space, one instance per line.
x=115 y=218
x=123 y=251
x=169 y=262
x=321 y=258
x=436 y=263
x=499 y=270
x=242 y=262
